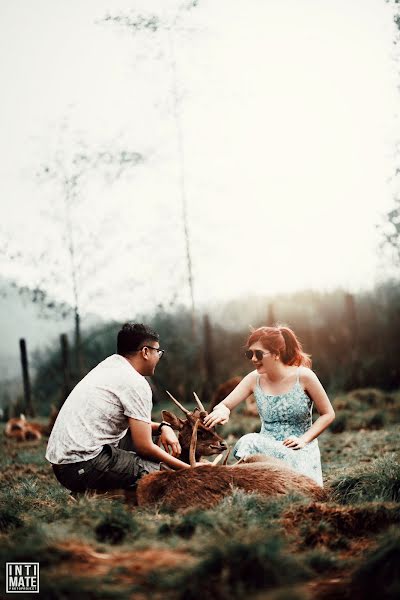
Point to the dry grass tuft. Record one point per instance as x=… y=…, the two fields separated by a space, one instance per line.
x=133 y=566
x=352 y=521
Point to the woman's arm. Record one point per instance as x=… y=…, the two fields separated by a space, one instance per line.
x=221 y=412
x=314 y=389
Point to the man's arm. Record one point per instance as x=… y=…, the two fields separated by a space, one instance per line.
x=154 y=427
x=167 y=438
x=141 y=433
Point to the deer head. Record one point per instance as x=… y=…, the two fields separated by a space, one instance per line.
x=193 y=434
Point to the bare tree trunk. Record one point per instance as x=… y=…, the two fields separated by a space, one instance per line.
x=182 y=182
x=74 y=279
x=65 y=368
x=78 y=345
x=271 y=319
x=25 y=376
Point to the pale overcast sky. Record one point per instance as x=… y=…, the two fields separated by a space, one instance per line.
x=288 y=113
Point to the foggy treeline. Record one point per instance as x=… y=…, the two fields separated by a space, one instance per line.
x=353 y=340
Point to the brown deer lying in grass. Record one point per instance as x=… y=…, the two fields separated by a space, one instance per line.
x=21 y=430
x=207 y=485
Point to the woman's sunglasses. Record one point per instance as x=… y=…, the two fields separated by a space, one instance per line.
x=259 y=354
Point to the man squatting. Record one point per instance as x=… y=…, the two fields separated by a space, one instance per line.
x=103 y=436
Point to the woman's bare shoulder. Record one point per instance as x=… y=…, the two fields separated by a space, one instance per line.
x=307 y=375
x=251 y=378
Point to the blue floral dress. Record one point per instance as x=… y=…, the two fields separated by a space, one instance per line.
x=282 y=416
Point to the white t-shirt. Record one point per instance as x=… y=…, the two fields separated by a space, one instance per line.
x=96 y=411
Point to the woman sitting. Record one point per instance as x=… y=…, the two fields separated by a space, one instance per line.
x=285 y=389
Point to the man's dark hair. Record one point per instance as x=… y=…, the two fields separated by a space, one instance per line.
x=132 y=337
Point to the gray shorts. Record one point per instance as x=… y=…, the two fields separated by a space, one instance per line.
x=113 y=468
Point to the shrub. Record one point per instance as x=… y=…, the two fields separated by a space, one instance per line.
x=286 y=594
x=346 y=403
x=232 y=514
x=340 y=423
x=379 y=574
x=32 y=539
x=370 y=397
x=9 y=519
x=115 y=525
x=235 y=569
x=187 y=525
x=242 y=509
x=253 y=507
x=319 y=519
x=313 y=534
x=378 y=482
x=376 y=421
x=321 y=562
x=71 y=588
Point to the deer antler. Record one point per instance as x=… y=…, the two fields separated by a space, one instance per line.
x=198 y=402
x=227 y=456
x=193 y=442
x=185 y=410
x=216 y=460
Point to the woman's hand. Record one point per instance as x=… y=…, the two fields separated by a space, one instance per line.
x=220 y=414
x=170 y=441
x=293 y=442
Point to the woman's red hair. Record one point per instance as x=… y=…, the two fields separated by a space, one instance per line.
x=283 y=342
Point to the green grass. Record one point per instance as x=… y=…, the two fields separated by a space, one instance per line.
x=378 y=576
x=380 y=481
x=365 y=409
x=115 y=524
x=246 y=546
x=322 y=562
x=235 y=568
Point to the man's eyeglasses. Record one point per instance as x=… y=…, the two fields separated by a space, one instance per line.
x=160 y=352
x=259 y=354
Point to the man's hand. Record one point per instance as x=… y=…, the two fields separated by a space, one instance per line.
x=294 y=443
x=170 y=442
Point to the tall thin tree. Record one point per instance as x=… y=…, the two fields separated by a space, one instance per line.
x=153 y=23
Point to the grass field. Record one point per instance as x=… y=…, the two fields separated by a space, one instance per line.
x=281 y=548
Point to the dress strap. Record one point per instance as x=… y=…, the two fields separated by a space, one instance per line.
x=298 y=375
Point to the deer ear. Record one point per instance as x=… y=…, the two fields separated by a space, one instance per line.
x=175 y=421
x=199 y=414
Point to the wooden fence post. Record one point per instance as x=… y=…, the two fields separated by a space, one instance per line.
x=353 y=337
x=25 y=376
x=271 y=319
x=209 y=359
